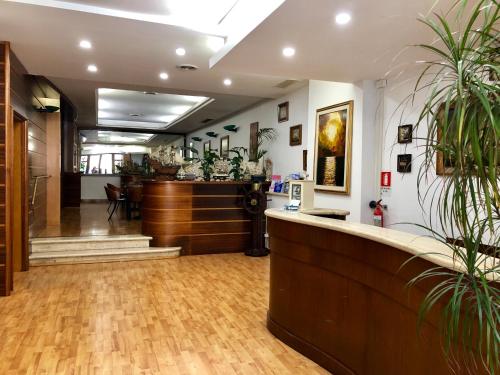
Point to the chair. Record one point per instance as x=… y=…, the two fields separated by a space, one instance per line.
x=116 y=188
x=114 y=198
x=134 y=200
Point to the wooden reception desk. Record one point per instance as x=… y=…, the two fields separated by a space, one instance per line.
x=338 y=296
x=201 y=217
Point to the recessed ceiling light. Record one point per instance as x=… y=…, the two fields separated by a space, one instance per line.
x=163 y=75
x=228 y=82
x=288 y=51
x=342 y=18
x=92 y=68
x=180 y=51
x=85 y=44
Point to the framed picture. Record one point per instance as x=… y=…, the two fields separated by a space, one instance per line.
x=283 y=112
x=296 y=135
x=405 y=133
x=224 y=147
x=404 y=163
x=333 y=148
x=286 y=186
x=252 y=149
x=304 y=160
x=206 y=146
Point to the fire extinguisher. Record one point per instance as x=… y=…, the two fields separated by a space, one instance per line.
x=378 y=213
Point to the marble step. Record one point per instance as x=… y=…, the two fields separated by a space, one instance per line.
x=103 y=255
x=68 y=244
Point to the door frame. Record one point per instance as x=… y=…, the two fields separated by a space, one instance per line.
x=20 y=186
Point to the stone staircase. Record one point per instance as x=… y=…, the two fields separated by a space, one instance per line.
x=93 y=249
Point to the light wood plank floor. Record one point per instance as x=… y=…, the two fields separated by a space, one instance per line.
x=190 y=315
x=91 y=219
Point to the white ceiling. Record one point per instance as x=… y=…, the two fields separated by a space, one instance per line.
x=373 y=43
x=131 y=49
x=144 y=109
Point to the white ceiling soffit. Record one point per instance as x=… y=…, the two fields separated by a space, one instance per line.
x=225 y=18
x=115 y=137
x=377 y=41
x=145 y=110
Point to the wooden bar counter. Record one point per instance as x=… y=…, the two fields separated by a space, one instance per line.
x=338 y=295
x=201 y=217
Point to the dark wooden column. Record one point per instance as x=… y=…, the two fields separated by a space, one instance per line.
x=5 y=124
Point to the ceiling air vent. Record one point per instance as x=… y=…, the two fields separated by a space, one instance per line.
x=287 y=83
x=207 y=120
x=187 y=67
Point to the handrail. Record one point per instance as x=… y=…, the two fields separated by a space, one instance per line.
x=36 y=185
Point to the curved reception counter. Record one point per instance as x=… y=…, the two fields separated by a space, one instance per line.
x=201 y=217
x=338 y=295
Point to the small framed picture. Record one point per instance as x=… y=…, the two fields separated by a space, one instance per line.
x=283 y=112
x=286 y=186
x=304 y=160
x=224 y=147
x=206 y=146
x=404 y=163
x=296 y=135
x=405 y=133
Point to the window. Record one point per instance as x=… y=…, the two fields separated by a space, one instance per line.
x=106 y=166
x=117 y=162
x=84 y=161
x=94 y=164
x=101 y=163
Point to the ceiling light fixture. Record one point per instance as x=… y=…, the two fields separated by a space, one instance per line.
x=288 y=51
x=228 y=82
x=163 y=75
x=85 y=44
x=180 y=51
x=92 y=68
x=342 y=18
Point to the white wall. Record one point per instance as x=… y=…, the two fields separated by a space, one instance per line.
x=403 y=206
x=303 y=104
x=286 y=159
x=323 y=94
x=93 y=186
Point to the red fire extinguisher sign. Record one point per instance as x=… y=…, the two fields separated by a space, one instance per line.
x=385 y=179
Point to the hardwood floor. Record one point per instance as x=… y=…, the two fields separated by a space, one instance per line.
x=191 y=315
x=91 y=219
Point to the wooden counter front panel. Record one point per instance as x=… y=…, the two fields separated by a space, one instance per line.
x=202 y=218
x=342 y=301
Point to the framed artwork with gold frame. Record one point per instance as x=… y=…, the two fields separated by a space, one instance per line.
x=333 y=148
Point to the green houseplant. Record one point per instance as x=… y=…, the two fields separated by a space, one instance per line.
x=460 y=126
x=236 y=161
x=264 y=135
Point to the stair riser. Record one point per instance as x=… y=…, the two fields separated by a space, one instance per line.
x=99 y=252
x=103 y=258
x=91 y=245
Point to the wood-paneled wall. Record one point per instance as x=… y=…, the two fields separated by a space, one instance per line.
x=24 y=92
x=5 y=117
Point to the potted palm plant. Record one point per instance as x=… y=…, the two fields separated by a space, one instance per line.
x=255 y=164
x=460 y=124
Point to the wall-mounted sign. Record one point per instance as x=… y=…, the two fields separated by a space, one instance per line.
x=385 y=179
x=385 y=183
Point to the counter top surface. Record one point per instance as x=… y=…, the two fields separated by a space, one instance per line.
x=425 y=247
x=325 y=211
x=197 y=182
